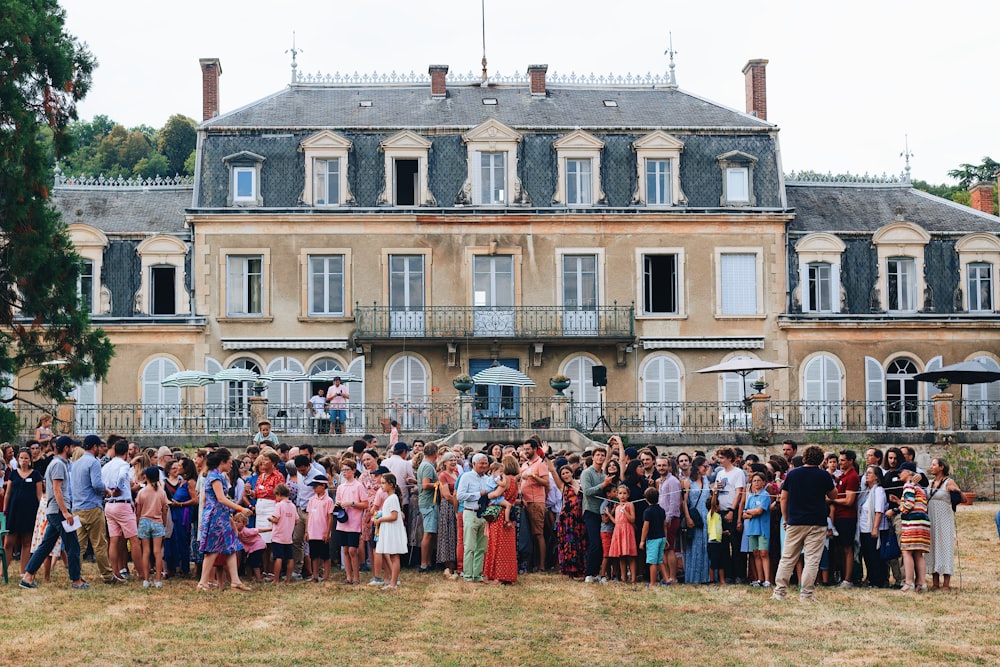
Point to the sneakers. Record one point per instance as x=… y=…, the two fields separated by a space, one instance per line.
x=296 y=576
x=766 y=584
x=376 y=581
x=755 y=584
x=158 y=584
x=602 y=580
x=589 y=579
x=82 y=586
x=389 y=587
x=447 y=571
x=846 y=584
x=27 y=584
x=123 y=574
x=780 y=597
x=146 y=583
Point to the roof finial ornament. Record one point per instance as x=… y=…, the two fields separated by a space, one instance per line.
x=483 y=11
x=671 y=77
x=294 y=51
x=906 y=154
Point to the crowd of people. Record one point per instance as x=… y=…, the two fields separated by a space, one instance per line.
x=278 y=514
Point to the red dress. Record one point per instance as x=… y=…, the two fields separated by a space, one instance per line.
x=501 y=551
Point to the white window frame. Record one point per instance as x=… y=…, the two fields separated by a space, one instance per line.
x=680 y=287
x=740 y=164
x=578 y=146
x=85 y=285
x=325 y=178
x=406 y=145
x=658 y=145
x=496 y=196
x=240 y=163
x=579 y=179
x=163 y=250
x=226 y=255
x=306 y=312
x=323 y=146
x=978 y=248
x=901 y=239
x=90 y=243
x=492 y=136
x=661 y=172
x=758 y=311
x=327 y=273
x=819 y=248
x=978 y=274
x=903 y=271
x=238 y=174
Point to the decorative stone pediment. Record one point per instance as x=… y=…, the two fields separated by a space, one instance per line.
x=979 y=242
x=244 y=157
x=578 y=139
x=820 y=243
x=405 y=140
x=492 y=131
x=736 y=157
x=162 y=245
x=325 y=139
x=658 y=141
x=902 y=234
x=85 y=236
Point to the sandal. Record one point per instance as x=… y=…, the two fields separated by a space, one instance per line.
x=240 y=586
x=203 y=587
x=906 y=588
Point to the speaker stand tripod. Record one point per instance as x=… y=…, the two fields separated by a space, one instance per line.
x=601 y=421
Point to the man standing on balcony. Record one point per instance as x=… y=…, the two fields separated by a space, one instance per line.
x=337 y=396
x=88 y=504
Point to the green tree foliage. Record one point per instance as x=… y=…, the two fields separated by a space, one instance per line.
x=970 y=174
x=176 y=140
x=44 y=72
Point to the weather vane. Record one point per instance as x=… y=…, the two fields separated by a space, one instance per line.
x=671 y=78
x=485 y=80
x=294 y=51
x=907 y=155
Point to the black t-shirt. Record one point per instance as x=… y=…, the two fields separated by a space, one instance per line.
x=655 y=515
x=807 y=488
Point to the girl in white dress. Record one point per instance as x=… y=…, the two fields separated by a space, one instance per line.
x=390 y=531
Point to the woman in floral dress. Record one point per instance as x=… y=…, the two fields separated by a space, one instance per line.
x=447 y=535
x=571 y=532
x=218 y=535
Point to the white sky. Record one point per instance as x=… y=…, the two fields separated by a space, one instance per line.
x=846 y=80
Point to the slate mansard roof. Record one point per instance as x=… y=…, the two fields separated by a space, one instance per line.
x=864 y=208
x=399 y=107
x=125 y=210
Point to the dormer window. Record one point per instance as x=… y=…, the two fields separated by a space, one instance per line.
x=492 y=151
x=326 y=155
x=244 y=179
x=406 y=170
x=737 y=178
x=579 y=170
x=900 y=246
x=658 y=158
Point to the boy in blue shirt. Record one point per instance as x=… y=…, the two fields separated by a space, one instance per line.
x=654 y=538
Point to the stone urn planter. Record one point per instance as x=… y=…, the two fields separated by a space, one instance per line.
x=463 y=383
x=560 y=383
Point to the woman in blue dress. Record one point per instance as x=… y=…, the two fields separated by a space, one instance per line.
x=696 y=492
x=218 y=535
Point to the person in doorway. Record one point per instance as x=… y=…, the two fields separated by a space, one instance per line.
x=337 y=396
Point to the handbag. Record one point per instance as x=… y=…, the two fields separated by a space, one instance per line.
x=888 y=545
x=492 y=513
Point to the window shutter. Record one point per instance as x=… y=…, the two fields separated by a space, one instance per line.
x=814 y=381
x=874 y=393
x=578 y=370
x=739 y=284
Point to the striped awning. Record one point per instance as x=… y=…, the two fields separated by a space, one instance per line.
x=703 y=343
x=284 y=343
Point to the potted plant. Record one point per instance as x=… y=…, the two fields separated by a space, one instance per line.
x=969 y=467
x=559 y=383
x=463 y=383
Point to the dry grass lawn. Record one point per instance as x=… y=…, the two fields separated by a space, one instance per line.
x=544 y=620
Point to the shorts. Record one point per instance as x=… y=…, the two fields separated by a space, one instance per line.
x=654 y=550
x=348 y=539
x=319 y=549
x=338 y=416
x=121 y=520
x=536 y=517
x=150 y=530
x=606 y=542
x=430 y=518
x=716 y=556
x=255 y=559
x=847 y=528
x=758 y=543
x=281 y=551
x=670 y=533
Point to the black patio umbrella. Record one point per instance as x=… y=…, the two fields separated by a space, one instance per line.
x=966 y=372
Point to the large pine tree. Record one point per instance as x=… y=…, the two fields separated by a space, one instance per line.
x=44 y=72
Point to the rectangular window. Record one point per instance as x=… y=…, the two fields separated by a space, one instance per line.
x=578 y=182
x=163 y=282
x=739 y=283
x=244 y=182
x=405 y=187
x=327 y=186
x=492 y=178
x=85 y=286
x=980 y=287
x=326 y=285
x=738 y=184
x=658 y=183
x=901 y=284
x=819 y=288
x=245 y=286
x=659 y=284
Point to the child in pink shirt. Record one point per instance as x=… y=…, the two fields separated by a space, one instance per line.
x=253 y=544
x=283 y=521
x=319 y=524
x=151 y=510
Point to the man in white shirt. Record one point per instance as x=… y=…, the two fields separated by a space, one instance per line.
x=731 y=483
x=118 y=511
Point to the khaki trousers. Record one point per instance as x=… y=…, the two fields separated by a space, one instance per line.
x=798 y=539
x=95 y=529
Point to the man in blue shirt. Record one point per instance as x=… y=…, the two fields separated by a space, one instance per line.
x=88 y=504
x=471 y=486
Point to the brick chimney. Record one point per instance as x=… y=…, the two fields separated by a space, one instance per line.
x=439 y=86
x=536 y=78
x=211 y=69
x=756 y=87
x=981 y=197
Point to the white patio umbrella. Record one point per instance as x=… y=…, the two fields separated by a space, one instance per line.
x=502 y=376
x=284 y=376
x=188 y=379
x=742 y=366
x=327 y=376
x=236 y=375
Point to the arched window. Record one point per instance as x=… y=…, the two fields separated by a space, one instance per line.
x=901 y=394
x=215 y=398
x=407 y=392
x=286 y=401
x=356 y=406
x=85 y=395
x=238 y=396
x=586 y=397
x=161 y=406
x=661 y=391
x=982 y=401
x=822 y=390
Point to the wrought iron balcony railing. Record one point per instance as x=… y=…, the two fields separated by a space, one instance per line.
x=438 y=322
